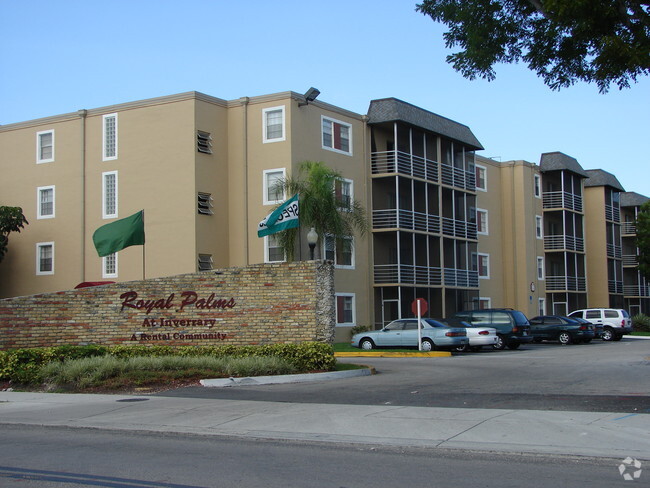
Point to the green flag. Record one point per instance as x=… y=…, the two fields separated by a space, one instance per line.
x=283 y=217
x=122 y=233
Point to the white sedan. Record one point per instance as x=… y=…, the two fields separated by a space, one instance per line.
x=478 y=337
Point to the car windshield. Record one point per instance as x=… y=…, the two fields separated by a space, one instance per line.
x=434 y=323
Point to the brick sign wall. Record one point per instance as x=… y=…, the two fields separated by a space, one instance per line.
x=260 y=304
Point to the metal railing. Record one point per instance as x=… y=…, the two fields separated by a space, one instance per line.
x=612 y=213
x=458 y=177
x=571 y=243
x=405 y=219
x=566 y=283
x=403 y=163
x=562 y=199
x=630 y=260
x=636 y=290
x=408 y=273
x=614 y=286
x=458 y=228
x=628 y=228
x=614 y=251
x=463 y=278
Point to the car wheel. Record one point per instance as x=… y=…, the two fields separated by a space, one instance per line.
x=499 y=344
x=428 y=345
x=607 y=335
x=366 y=344
x=514 y=345
x=564 y=338
x=463 y=348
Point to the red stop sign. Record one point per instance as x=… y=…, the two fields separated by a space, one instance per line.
x=423 y=306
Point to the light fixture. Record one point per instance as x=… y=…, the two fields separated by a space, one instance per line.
x=312 y=238
x=310 y=96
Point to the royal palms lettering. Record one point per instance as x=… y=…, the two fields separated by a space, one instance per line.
x=188 y=299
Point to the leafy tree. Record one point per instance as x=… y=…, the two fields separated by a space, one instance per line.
x=563 y=41
x=11 y=220
x=643 y=238
x=320 y=207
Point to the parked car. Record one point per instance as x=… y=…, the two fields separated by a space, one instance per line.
x=404 y=333
x=562 y=329
x=598 y=328
x=478 y=337
x=513 y=328
x=616 y=322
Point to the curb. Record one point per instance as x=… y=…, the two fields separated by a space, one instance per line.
x=288 y=378
x=387 y=354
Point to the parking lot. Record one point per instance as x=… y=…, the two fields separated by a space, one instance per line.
x=601 y=376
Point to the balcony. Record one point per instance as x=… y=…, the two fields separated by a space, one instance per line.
x=614 y=286
x=404 y=163
x=405 y=219
x=614 y=251
x=628 y=228
x=458 y=177
x=566 y=283
x=562 y=199
x=612 y=213
x=462 y=278
x=630 y=260
x=560 y=242
x=640 y=291
x=458 y=228
x=407 y=274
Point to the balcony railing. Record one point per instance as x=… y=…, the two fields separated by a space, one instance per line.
x=405 y=219
x=569 y=243
x=408 y=273
x=458 y=177
x=630 y=260
x=614 y=251
x=614 y=286
x=458 y=228
x=404 y=163
x=636 y=290
x=628 y=228
x=463 y=278
x=612 y=213
x=566 y=283
x=562 y=199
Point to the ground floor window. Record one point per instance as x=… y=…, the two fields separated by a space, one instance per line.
x=345 y=309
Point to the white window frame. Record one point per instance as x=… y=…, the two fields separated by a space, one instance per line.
x=104 y=141
x=537 y=186
x=487 y=265
x=106 y=261
x=483 y=169
x=265 y=186
x=488 y=301
x=539 y=226
x=486 y=231
x=540 y=267
x=39 y=146
x=106 y=215
x=39 y=247
x=39 y=208
x=267 y=248
x=541 y=306
x=265 y=113
x=322 y=135
x=336 y=265
x=354 y=308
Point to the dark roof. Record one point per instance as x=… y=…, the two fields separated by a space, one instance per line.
x=599 y=177
x=632 y=199
x=394 y=110
x=555 y=161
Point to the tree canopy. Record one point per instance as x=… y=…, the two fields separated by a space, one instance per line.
x=643 y=239
x=11 y=220
x=563 y=41
x=322 y=206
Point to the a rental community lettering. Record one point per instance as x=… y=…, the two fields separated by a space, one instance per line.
x=188 y=300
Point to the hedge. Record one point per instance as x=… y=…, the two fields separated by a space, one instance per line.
x=21 y=365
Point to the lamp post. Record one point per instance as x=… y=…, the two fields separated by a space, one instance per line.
x=312 y=238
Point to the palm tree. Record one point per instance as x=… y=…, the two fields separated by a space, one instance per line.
x=320 y=207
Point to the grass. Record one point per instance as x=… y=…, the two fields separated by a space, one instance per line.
x=640 y=333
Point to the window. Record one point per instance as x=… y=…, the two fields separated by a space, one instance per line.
x=109 y=266
x=538 y=186
x=45 y=146
x=541 y=309
x=539 y=227
x=540 y=268
x=109 y=192
x=345 y=309
x=203 y=142
x=45 y=258
x=204 y=201
x=482 y=221
x=481 y=303
x=45 y=202
x=273 y=191
x=273 y=125
x=205 y=262
x=337 y=136
x=481 y=178
x=110 y=137
x=273 y=253
x=481 y=264
x=340 y=251
x=343 y=192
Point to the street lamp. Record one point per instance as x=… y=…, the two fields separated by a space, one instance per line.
x=312 y=238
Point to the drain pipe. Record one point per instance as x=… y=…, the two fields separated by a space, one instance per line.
x=82 y=117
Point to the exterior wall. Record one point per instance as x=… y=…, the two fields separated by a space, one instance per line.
x=261 y=304
x=596 y=247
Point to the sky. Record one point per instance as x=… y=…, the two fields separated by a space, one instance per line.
x=62 y=56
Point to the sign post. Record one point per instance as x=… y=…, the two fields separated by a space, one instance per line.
x=418 y=307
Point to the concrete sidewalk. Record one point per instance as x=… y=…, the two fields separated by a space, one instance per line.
x=612 y=435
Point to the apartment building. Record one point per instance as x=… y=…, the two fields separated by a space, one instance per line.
x=636 y=287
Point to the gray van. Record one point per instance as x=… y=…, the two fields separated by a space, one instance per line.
x=513 y=328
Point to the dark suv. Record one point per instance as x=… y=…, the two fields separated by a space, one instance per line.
x=513 y=328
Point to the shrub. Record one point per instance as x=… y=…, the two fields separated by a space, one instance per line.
x=358 y=329
x=641 y=323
